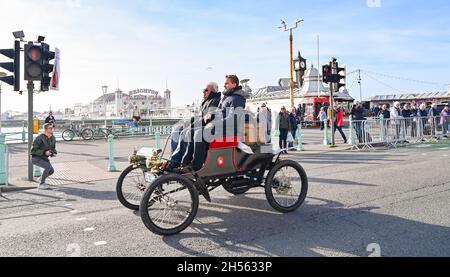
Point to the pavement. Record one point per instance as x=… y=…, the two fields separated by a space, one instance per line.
x=385 y=203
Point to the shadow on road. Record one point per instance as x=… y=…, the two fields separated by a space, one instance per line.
x=248 y=226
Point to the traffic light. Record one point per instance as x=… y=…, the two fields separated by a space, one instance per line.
x=47 y=68
x=33 y=62
x=342 y=77
x=13 y=67
x=327 y=74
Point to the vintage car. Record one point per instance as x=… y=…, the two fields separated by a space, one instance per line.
x=168 y=202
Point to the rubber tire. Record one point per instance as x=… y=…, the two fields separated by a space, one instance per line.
x=304 y=189
x=144 y=205
x=68 y=132
x=235 y=191
x=119 y=184
x=88 y=136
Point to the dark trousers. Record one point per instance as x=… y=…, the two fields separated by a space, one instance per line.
x=196 y=149
x=179 y=146
x=359 y=128
x=283 y=138
x=339 y=128
x=46 y=165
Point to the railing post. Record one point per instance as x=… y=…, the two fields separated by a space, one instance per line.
x=352 y=133
x=299 y=138
x=158 y=140
x=382 y=130
x=37 y=172
x=3 y=168
x=112 y=165
x=24 y=133
x=325 y=134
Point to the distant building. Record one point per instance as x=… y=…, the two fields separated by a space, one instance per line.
x=432 y=97
x=118 y=104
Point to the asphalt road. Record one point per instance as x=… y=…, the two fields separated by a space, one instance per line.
x=392 y=203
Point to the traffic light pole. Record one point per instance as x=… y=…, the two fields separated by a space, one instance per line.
x=331 y=113
x=30 y=87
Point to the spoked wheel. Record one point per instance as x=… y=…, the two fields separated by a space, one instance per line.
x=87 y=134
x=68 y=135
x=286 y=186
x=131 y=187
x=169 y=205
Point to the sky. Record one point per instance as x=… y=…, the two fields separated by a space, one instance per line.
x=184 y=44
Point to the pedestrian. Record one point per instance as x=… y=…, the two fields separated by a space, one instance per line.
x=357 y=114
x=434 y=114
x=445 y=120
x=293 y=130
x=396 y=116
x=264 y=119
x=407 y=114
x=284 y=128
x=423 y=118
x=44 y=147
x=384 y=112
x=51 y=119
x=182 y=142
x=339 y=123
x=323 y=117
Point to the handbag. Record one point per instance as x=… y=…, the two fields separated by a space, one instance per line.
x=290 y=138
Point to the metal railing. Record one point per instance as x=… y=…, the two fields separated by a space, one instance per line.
x=17 y=131
x=366 y=134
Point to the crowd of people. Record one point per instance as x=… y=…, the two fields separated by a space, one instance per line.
x=398 y=112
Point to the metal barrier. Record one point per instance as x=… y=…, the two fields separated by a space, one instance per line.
x=366 y=134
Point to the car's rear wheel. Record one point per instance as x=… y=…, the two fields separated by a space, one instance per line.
x=286 y=186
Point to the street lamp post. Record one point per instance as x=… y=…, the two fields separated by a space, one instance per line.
x=284 y=27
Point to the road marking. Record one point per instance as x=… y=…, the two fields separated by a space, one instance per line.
x=100 y=243
x=88 y=229
x=68 y=205
x=444 y=155
x=81 y=219
x=445 y=148
x=74 y=212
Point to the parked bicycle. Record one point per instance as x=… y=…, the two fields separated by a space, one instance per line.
x=85 y=133
x=101 y=133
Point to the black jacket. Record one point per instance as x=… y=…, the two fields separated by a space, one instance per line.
x=406 y=113
x=285 y=121
x=228 y=111
x=43 y=144
x=358 y=113
x=385 y=113
x=209 y=106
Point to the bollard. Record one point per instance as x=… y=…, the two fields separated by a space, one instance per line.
x=382 y=129
x=158 y=140
x=3 y=168
x=352 y=140
x=325 y=136
x=37 y=172
x=112 y=165
x=299 y=138
x=24 y=133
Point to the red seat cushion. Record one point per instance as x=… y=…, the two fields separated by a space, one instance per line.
x=225 y=142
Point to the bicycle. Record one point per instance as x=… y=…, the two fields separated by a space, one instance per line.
x=69 y=134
